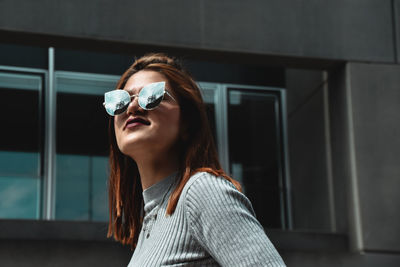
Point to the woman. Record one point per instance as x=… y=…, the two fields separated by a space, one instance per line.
x=169 y=197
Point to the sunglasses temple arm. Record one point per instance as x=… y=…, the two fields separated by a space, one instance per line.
x=171 y=96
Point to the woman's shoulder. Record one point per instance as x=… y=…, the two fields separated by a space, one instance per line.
x=207 y=196
x=203 y=181
x=205 y=190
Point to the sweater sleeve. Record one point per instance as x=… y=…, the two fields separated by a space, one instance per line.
x=222 y=220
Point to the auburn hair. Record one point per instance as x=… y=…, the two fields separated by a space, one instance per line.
x=198 y=152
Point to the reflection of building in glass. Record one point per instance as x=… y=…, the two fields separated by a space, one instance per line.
x=153 y=101
x=290 y=93
x=120 y=107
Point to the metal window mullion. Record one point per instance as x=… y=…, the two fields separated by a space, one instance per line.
x=90 y=189
x=40 y=173
x=221 y=102
x=50 y=141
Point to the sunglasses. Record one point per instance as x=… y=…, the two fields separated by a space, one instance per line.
x=149 y=98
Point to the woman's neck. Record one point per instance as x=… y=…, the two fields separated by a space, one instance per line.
x=154 y=169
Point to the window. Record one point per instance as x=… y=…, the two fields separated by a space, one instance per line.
x=20 y=144
x=254 y=151
x=55 y=146
x=82 y=146
x=248 y=129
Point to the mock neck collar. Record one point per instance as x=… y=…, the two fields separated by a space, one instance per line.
x=155 y=193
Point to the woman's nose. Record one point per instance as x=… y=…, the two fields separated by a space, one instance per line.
x=133 y=106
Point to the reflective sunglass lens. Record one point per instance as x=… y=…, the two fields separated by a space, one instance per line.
x=151 y=95
x=116 y=101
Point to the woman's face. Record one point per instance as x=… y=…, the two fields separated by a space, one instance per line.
x=144 y=133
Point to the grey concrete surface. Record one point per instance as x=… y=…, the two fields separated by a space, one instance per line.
x=375 y=98
x=53 y=230
x=340 y=155
x=300 y=85
x=301 y=259
x=343 y=30
x=56 y=253
x=396 y=20
x=307 y=241
x=308 y=169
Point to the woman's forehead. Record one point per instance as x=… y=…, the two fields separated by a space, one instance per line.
x=142 y=78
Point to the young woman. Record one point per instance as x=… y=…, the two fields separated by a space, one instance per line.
x=169 y=197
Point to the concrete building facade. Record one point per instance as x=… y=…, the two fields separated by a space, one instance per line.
x=333 y=67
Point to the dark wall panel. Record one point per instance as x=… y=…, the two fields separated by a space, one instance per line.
x=32 y=253
x=343 y=29
x=340 y=150
x=308 y=169
x=327 y=29
x=301 y=85
x=202 y=70
x=299 y=259
x=143 y=22
x=396 y=20
x=24 y=56
x=376 y=115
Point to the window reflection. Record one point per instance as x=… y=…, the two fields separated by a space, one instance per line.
x=82 y=148
x=208 y=95
x=82 y=145
x=254 y=151
x=20 y=172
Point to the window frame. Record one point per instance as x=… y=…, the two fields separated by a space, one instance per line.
x=44 y=154
x=220 y=94
x=221 y=110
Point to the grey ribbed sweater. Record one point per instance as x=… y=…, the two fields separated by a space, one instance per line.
x=213 y=225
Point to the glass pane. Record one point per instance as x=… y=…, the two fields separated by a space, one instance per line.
x=254 y=151
x=209 y=99
x=72 y=188
x=20 y=179
x=22 y=55
x=99 y=199
x=82 y=146
x=92 y=62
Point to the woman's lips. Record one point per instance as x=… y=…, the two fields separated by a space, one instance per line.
x=133 y=125
x=135 y=122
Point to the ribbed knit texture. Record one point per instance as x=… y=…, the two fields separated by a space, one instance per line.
x=213 y=225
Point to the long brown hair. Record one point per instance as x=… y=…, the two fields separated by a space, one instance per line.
x=198 y=152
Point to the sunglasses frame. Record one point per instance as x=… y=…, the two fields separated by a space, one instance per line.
x=138 y=96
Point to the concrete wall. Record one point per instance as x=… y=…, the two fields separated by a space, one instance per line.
x=364 y=114
x=375 y=110
x=396 y=19
x=317 y=135
x=344 y=154
x=309 y=170
x=361 y=30
x=59 y=243
x=343 y=122
x=340 y=149
x=329 y=259
x=60 y=253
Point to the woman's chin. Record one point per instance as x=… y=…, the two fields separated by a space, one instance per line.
x=126 y=144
